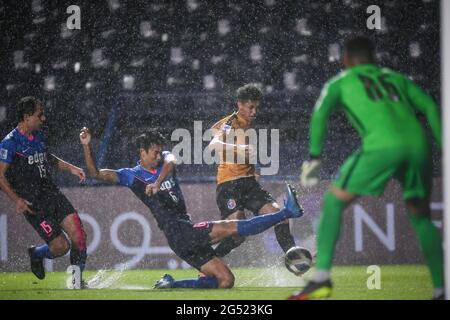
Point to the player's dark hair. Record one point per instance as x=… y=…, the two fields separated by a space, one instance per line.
x=149 y=138
x=361 y=48
x=26 y=106
x=249 y=92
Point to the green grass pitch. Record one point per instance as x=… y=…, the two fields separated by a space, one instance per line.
x=350 y=282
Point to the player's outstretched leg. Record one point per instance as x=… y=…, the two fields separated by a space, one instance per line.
x=263 y=222
x=230 y=243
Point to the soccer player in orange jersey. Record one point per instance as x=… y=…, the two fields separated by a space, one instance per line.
x=237 y=187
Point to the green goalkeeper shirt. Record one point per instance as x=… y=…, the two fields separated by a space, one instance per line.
x=380 y=104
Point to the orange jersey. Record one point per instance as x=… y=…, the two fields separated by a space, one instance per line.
x=227 y=170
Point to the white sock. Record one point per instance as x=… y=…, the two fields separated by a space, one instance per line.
x=321 y=275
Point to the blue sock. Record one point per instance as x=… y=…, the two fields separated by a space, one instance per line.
x=42 y=252
x=200 y=283
x=261 y=223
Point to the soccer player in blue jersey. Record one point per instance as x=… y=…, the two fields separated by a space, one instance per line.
x=154 y=182
x=26 y=177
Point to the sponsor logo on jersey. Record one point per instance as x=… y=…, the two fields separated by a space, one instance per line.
x=38 y=157
x=231 y=204
x=168 y=184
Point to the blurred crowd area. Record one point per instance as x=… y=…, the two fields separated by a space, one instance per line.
x=141 y=64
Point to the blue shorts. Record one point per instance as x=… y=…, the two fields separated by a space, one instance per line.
x=190 y=242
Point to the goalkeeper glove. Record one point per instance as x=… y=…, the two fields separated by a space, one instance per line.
x=309 y=175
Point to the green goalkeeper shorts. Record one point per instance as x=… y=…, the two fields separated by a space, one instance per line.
x=368 y=172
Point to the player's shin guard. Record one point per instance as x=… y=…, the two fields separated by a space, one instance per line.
x=431 y=245
x=200 y=283
x=329 y=230
x=261 y=223
x=227 y=245
x=284 y=236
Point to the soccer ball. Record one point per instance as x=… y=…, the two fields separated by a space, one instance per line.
x=298 y=260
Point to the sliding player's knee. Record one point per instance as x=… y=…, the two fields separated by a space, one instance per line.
x=225 y=280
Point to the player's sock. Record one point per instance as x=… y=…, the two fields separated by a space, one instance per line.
x=431 y=245
x=199 y=283
x=284 y=236
x=78 y=254
x=329 y=229
x=227 y=245
x=42 y=252
x=78 y=257
x=260 y=223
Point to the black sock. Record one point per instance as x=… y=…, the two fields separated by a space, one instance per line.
x=227 y=245
x=284 y=236
x=78 y=258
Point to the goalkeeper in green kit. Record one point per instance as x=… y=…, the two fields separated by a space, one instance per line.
x=381 y=105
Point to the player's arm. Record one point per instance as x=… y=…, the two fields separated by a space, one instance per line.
x=66 y=166
x=22 y=205
x=106 y=175
x=328 y=101
x=426 y=105
x=167 y=169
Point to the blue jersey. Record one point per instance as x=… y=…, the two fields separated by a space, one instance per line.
x=29 y=171
x=166 y=205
